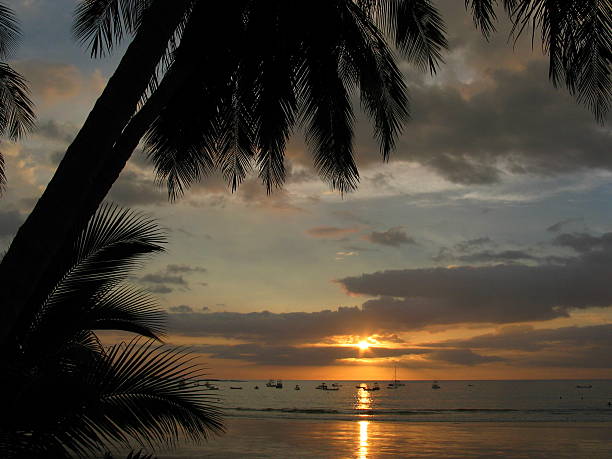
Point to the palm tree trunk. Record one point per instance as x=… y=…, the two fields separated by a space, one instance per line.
x=67 y=202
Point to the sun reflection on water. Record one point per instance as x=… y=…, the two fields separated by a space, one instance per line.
x=363 y=439
x=363 y=400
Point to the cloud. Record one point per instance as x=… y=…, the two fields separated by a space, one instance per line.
x=56 y=131
x=135 y=188
x=173 y=275
x=185 y=269
x=526 y=338
x=502 y=293
x=162 y=278
x=415 y=299
x=300 y=356
x=462 y=357
x=555 y=228
x=331 y=232
x=53 y=82
x=565 y=347
x=583 y=242
x=10 y=221
x=488 y=256
x=393 y=237
x=159 y=289
x=471 y=243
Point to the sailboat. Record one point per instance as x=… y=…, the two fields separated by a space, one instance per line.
x=395 y=384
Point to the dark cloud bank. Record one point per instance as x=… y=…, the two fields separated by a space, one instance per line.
x=414 y=299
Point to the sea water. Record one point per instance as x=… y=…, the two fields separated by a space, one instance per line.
x=462 y=419
x=454 y=401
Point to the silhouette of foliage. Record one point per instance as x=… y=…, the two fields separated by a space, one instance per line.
x=64 y=393
x=576 y=35
x=16 y=113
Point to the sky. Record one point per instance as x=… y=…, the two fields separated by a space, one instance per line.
x=481 y=250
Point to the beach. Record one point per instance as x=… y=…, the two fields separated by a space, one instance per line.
x=299 y=438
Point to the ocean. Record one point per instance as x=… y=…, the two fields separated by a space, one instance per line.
x=513 y=419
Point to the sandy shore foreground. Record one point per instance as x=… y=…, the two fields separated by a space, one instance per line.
x=290 y=438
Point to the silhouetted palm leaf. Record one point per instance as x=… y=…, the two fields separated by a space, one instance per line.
x=16 y=114
x=577 y=36
x=88 y=398
x=272 y=73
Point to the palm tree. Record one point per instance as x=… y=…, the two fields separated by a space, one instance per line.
x=63 y=393
x=237 y=77
x=16 y=115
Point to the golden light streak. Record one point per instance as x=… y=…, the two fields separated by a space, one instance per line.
x=363 y=440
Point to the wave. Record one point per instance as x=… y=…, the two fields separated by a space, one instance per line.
x=423 y=411
x=427 y=415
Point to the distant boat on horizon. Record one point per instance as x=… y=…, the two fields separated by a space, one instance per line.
x=435 y=385
x=395 y=384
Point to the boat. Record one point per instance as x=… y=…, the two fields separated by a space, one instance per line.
x=279 y=384
x=435 y=385
x=256 y=388
x=395 y=384
x=374 y=387
x=209 y=386
x=271 y=383
x=324 y=386
x=585 y=386
x=336 y=385
x=297 y=387
x=232 y=387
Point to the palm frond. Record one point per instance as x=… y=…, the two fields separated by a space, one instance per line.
x=100 y=25
x=90 y=293
x=2 y=173
x=483 y=14
x=329 y=118
x=417 y=28
x=9 y=31
x=577 y=37
x=16 y=113
x=146 y=394
x=383 y=91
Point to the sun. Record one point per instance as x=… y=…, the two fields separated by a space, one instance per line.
x=363 y=345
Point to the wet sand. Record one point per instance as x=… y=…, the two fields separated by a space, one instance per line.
x=293 y=438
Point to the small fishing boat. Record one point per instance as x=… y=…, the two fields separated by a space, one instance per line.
x=271 y=383
x=374 y=387
x=297 y=387
x=435 y=385
x=322 y=386
x=336 y=385
x=279 y=384
x=256 y=388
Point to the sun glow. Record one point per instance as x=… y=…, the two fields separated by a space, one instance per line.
x=363 y=345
